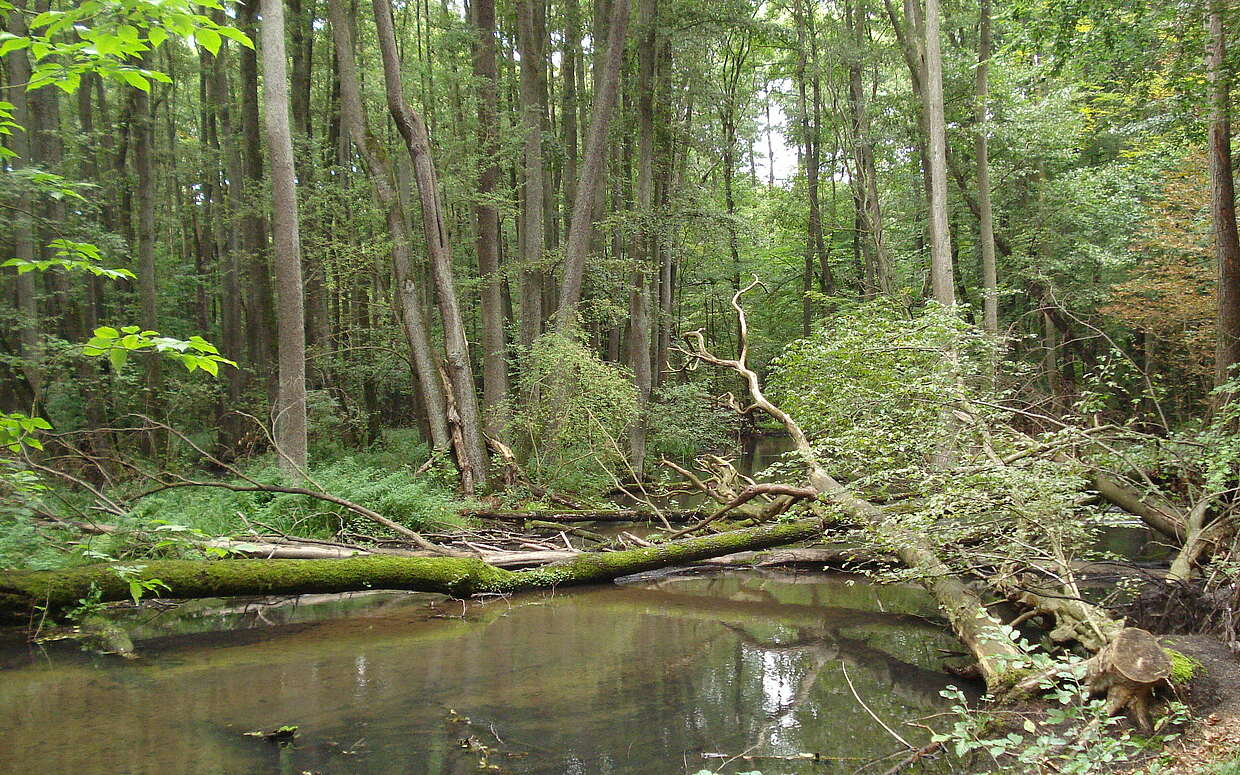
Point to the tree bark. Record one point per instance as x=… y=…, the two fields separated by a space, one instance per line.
x=290 y=407
x=231 y=427
x=260 y=302
x=941 y=275
x=486 y=216
x=472 y=457
x=143 y=140
x=383 y=184
x=533 y=236
x=640 y=330
x=1223 y=199
x=23 y=224
x=985 y=217
x=591 y=178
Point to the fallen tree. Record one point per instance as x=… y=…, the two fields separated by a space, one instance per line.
x=23 y=592
x=994 y=650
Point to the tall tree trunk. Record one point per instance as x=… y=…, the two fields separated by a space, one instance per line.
x=826 y=283
x=1223 y=199
x=88 y=371
x=569 y=105
x=260 y=310
x=640 y=332
x=383 y=183
x=23 y=224
x=533 y=237
x=290 y=407
x=486 y=215
x=985 y=217
x=228 y=242
x=591 y=178
x=665 y=176
x=869 y=213
x=472 y=458
x=940 y=240
x=143 y=142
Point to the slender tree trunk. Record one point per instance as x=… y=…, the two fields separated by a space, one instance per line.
x=486 y=215
x=533 y=238
x=1223 y=200
x=260 y=309
x=814 y=158
x=940 y=240
x=88 y=371
x=640 y=331
x=290 y=407
x=869 y=213
x=665 y=176
x=23 y=225
x=985 y=218
x=593 y=162
x=143 y=142
x=227 y=239
x=383 y=183
x=569 y=105
x=472 y=459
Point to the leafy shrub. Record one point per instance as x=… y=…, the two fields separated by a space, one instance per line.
x=574 y=415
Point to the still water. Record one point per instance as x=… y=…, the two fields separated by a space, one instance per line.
x=658 y=677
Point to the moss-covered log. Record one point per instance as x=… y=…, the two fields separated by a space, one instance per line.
x=22 y=591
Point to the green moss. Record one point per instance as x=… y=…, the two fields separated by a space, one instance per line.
x=459 y=577
x=1183 y=667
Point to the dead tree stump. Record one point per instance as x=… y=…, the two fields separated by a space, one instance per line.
x=1126 y=670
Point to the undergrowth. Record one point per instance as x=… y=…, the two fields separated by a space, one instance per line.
x=170 y=523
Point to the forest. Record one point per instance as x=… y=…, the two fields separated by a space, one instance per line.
x=591 y=386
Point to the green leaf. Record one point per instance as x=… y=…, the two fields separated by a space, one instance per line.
x=233 y=33
x=157 y=36
x=13 y=44
x=208 y=39
x=118 y=357
x=134 y=79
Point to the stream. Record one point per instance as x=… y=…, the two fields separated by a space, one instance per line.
x=656 y=676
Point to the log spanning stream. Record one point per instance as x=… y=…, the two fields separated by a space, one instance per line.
x=653 y=676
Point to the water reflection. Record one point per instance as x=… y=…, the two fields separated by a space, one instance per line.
x=603 y=680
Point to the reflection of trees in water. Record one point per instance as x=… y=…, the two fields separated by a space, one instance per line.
x=789 y=683
x=614 y=679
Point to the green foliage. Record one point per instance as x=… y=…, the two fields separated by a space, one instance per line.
x=1074 y=735
x=193 y=353
x=684 y=419
x=106 y=36
x=874 y=386
x=70 y=256
x=417 y=502
x=18 y=430
x=139 y=587
x=1229 y=767
x=905 y=407
x=577 y=410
